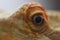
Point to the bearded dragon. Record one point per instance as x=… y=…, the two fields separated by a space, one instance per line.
x=27 y=23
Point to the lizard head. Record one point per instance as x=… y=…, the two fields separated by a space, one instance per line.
x=35 y=17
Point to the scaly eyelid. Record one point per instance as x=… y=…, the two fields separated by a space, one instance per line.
x=35 y=12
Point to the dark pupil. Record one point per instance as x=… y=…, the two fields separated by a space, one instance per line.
x=38 y=19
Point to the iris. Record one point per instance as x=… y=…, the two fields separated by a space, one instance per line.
x=37 y=19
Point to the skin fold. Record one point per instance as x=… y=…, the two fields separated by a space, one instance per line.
x=28 y=22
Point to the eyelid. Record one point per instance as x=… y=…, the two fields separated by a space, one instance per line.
x=37 y=13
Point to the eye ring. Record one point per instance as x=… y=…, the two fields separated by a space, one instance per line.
x=37 y=19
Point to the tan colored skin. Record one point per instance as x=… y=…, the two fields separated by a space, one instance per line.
x=22 y=18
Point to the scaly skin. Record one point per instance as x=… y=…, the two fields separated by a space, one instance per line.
x=20 y=25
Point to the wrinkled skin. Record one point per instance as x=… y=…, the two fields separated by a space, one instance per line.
x=29 y=22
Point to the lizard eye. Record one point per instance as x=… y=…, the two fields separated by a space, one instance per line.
x=37 y=19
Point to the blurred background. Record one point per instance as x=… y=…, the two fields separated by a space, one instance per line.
x=11 y=5
x=7 y=7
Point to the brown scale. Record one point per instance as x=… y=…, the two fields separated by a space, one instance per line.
x=34 y=22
